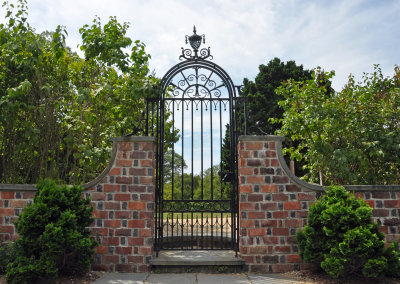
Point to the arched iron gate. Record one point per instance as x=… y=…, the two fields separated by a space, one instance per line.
x=196 y=173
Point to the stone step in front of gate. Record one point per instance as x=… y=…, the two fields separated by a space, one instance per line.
x=197 y=261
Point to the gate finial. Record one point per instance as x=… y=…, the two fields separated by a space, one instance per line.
x=195 y=42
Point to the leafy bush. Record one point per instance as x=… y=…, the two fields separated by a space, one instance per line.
x=6 y=256
x=54 y=235
x=341 y=237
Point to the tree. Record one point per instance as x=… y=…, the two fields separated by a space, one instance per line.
x=57 y=110
x=349 y=137
x=261 y=98
x=173 y=165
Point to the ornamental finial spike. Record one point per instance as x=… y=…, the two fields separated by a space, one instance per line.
x=194 y=29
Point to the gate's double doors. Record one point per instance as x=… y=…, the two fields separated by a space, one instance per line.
x=196 y=187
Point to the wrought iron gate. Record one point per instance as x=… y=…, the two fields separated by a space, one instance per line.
x=196 y=176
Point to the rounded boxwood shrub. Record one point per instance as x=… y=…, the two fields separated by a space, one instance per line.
x=341 y=237
x=54 y=236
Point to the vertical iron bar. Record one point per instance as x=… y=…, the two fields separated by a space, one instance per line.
x=192 y=154
x=201 y=134
x=212 y=153
x=173 y=153
x=183 y=138
x=147 y=118
x=220 y=147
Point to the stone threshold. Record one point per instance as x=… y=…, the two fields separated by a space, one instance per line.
x=197 y=258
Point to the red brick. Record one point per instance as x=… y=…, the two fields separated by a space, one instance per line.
x=137 y=188
x=255 y=197
x=137 y=205
x=306 y=196
x=256 y=215
x=136 y=223
x=112 y=223
x=111 y=259
x=115 y=172
x=123 y=250
x=245 y=154
x=271 y=145
x=391 y=203
x=246 y=206
x=122 y=197
x=123 y=214
x=292 y=223
x=270 y=154
x=146 y=215
x=245 y=188
x=146 y=180
x=371 y=203
x=146 y=163
x=145 y=233
x=280 y=197
x=248 y=258
x=254 y=145
x=100 y=214
x=270 y=240
x=99 y=231
x=269 y=188
x=145 y=251
x=245 y=171
x=111 y=187
x=125 y=146
x=123 y=180
x=147 y=146
x=256 y=232
x=28 y=195
x=280 y=214
x=269 y=206
x=255 y=179
x=146 y=197
x=135 y=259
x=124 y=267
x=96 y=196
x=18 y=203
x=274 y=163
x=7 y=229
x=253 y=162
x=112 y=205
x=380 y=213
x=280 y=231
x=269 y=223
x=258 y=250
x=280 y=179
x=138 y=171
x=292 y=188
x=123 y=232
x=380 y=194
x=124 y=163
x=101 y=249
x=247 y=223
x=242 y=162
x=7 y=195
x=135 y=241
x=292 y=205
x=6 y=212
x=284 y=249
x=384 y=229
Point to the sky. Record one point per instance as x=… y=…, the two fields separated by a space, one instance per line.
x=345 y=36
x=348 y=36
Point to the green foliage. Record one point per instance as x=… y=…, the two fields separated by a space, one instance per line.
x=349 y=137
x=262 y=100
x=57 y=110
x=341 y=238
x=7 y=255
x=54 y=235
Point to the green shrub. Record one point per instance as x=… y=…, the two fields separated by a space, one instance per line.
x=54 y=235
x=341 y=237
x=7 y=254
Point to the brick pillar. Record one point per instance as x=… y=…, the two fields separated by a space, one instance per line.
x=271 y=207
x=123 y=198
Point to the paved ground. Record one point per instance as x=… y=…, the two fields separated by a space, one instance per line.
x=191 y=278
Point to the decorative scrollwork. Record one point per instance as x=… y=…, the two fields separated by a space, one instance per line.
x=197 y=206
x=195 y=42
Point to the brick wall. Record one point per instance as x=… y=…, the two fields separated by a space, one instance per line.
x=274 y=205
x=123 y=201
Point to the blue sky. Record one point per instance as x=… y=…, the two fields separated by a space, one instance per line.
x=345 y=36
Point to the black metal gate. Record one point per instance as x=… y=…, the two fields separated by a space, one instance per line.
x=196 y=174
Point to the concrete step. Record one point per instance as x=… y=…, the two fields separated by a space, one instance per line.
x=197 y=261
